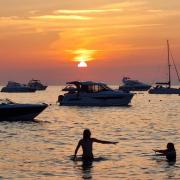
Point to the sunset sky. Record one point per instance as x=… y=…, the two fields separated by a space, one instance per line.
x=46 y=39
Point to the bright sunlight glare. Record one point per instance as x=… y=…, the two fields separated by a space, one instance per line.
x=82 y=64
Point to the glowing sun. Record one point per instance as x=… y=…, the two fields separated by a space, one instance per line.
x=82 y=64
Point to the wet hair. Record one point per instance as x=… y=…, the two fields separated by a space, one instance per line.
x=86 y=134
x=170 y=146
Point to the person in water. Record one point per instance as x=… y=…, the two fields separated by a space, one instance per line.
x=170 y=152
x=87 y=145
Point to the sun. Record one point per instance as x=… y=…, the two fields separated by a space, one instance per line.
x=82 y=64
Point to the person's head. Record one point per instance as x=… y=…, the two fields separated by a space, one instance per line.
x=86 y=134
x=170 y=146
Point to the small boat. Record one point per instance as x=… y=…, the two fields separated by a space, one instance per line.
x=14 y=87
x=133 y=85
x=166 y=87
x=89 y=93
x=11 y=111
x=37 y=85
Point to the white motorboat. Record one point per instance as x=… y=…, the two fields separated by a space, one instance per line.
x=133 y=85
x=14 y=87
x=36 y=84
x=90 y=93
x=10 y=111
x=166 y=87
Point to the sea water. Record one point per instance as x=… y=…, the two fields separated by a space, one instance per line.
x=43 y=149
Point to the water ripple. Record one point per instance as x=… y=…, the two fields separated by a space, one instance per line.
x=42 y=149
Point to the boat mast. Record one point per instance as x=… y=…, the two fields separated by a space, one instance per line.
x=169 y=65
x=177 y=73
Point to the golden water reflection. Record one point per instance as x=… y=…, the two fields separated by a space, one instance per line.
x=43 y=150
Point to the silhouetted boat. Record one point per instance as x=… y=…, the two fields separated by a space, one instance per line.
x=36 y=84
x=10 y=111
x=133 y=85
x=165 y=87
x=14 y=87
x=90 y=93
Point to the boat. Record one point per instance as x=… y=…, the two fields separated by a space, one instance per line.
x=14 y=87
x=133 y=85
x=166 y=87
x=36 y=84
x=11 y=111
x=89 y=93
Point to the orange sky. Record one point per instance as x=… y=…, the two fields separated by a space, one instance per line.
x=45 y=39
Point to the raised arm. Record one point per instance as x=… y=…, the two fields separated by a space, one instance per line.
x=103 y=142
x=76 y=150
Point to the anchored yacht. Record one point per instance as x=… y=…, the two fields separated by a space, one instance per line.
x=166 y=87
x=133 y=85
x=88 y=93
x=11 y=111
x=14 y=87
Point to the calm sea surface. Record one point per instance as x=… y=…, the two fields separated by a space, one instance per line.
x=42 y=149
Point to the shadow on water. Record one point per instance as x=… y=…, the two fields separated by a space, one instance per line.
x=171 y=163
x=95 y=107
x=86 y=167
x=169 y=168
x=160 y=159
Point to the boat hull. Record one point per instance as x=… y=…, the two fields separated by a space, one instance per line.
x=17 y=90
x=20 y=112
x=96 y=100
x=38 y=88
x=134 y=88
x=41 y=88
x=163 y=90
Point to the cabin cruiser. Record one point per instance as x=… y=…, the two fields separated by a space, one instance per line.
x=11 y=111
x=133 y=85
x=12 y=87
x=166 y=87
x=90 y=93
x=37 y=85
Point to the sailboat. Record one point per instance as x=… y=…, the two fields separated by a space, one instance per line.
x=165 y=87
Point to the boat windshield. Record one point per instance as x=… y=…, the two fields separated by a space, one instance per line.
x=94 y=88
x=70 y=88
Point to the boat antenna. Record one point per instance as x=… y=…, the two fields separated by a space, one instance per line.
x=175 y=65
x=169 y=65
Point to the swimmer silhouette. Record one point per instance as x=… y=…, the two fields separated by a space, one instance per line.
x=170 y=152
x=87 y=145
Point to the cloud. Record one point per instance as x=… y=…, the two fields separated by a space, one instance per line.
x=73 y=14
x=83 y=54
x=127 y=5
x=155 y=10
x=163 y=12
x=87 y=11
x=70 y=17
x=7 y=18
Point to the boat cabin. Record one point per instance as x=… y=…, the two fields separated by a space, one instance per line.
x=14 y=84
x=86 y=86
